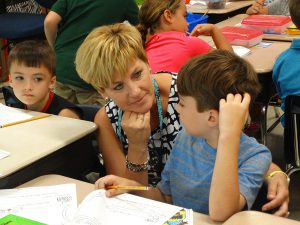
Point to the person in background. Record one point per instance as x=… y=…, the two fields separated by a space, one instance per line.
x=214 y=168
x=163 y=26
x=139 y=123
x=32 y=78
x=286 y=70
x=277 y=7
x=66 y=26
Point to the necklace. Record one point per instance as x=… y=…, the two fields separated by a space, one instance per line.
x=159 y=110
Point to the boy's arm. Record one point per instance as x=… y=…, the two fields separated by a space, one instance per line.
x=225 y=198
x=112 y=180
x=69 y=113
x=258 y=8
x=51 y=23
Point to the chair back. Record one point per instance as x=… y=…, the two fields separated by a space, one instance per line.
x=292 y=131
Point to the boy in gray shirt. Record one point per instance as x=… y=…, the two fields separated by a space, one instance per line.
x=277 y=7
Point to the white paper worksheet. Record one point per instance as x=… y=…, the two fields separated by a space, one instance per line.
x=54 y=205
x=125 y=209
x=10 y=115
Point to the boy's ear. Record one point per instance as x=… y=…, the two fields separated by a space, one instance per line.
x=213 y=118
x=52 y=82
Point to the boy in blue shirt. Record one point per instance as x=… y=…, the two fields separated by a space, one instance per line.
x=286 y=68
x=213 y=167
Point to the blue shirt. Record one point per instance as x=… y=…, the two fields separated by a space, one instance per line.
x=188 y=172
x=286 y=72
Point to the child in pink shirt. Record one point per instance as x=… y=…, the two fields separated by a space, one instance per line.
x=164 y=28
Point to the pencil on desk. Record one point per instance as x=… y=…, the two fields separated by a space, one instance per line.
x=130 y=188
x=26 y=120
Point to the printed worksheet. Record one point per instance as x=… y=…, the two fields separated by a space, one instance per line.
x=126 y=209
x=53 y=205
x=10 y=115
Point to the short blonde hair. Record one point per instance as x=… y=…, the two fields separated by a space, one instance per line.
x=108 y=50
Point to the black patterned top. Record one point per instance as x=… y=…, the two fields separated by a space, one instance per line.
x=159 y=146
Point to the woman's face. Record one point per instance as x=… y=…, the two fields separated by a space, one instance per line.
x=133 y=92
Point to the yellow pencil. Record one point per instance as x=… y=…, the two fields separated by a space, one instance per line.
x=133 y=188
x=26 y=120
x=204 y=14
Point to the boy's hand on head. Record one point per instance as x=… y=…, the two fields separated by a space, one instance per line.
x=233 y=113
x=137 y=127
x=112 y=180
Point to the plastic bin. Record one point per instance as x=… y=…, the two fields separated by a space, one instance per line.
x=194 y=19
x=215 y=4
x=268 y=24
x=242 y=36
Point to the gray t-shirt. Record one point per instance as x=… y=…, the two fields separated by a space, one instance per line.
x=279 y=7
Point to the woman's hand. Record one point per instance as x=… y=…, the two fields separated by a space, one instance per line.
x=112 y=180
x=137 y=128
x=278 y=194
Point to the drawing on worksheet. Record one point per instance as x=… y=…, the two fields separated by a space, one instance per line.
x=97 y=209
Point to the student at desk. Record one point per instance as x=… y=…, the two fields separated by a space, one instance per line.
x=286 y=68
x=133 y=141
x=213 y=168
x=163 y=26
x=277 y=7
x=31 y=76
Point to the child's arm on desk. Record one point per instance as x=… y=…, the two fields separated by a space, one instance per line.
x=211 y=30
x=112 y=182
x=258 y=8
x=225 y=198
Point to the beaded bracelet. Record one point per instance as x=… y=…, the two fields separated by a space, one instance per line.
x=136 y=167
x=279 y=171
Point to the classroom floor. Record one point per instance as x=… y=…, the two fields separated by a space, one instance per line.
x=275 y=144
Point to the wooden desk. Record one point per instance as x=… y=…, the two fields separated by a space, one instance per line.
x=242 y=218
x=50 y=145
x=231 y=9
x=262 y=59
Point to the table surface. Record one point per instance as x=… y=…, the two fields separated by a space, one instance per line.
x=241 y=218
x=31 y=141
x=229 y=7
x=262 y=59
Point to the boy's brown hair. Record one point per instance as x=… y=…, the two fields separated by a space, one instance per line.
x=33 y=53
x=210 y=77
x=295 y=12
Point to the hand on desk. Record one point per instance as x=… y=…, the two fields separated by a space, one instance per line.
x=257 y=8
x=278 y=194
